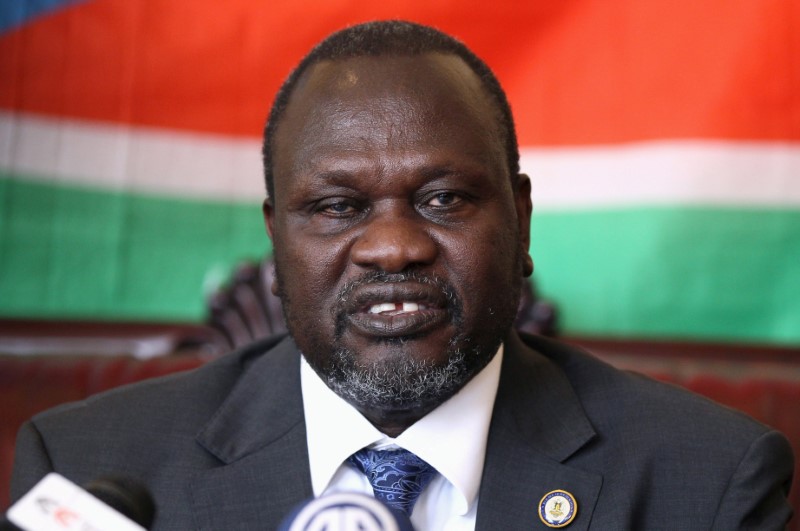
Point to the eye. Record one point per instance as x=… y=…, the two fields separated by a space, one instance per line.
x=339 y=208
x=443 y=199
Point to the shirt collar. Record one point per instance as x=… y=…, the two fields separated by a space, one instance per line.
x=335 y=430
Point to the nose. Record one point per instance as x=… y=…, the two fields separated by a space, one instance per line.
x=394 y=241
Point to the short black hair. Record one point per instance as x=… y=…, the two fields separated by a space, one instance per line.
x=391 y=38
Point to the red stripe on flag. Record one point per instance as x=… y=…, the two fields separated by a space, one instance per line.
x=577 y=72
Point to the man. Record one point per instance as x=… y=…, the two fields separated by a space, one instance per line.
x=400 y=224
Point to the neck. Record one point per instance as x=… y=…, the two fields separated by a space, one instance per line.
x=393 y=423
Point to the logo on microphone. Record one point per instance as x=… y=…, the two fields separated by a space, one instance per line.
x=63 y=516
x=344 y=512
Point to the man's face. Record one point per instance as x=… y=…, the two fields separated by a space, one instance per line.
x=398 y=234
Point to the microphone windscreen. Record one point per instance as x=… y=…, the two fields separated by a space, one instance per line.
x=345 y=511
x=125 y=496
x=108 y=503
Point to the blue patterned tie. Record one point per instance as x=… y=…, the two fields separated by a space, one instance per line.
x=397 y=476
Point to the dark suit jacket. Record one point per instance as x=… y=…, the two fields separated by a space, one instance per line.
x=223 y=447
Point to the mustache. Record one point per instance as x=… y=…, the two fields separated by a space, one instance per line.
x=416 y=285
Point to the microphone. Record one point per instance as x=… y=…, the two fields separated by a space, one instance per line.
x=111 y=503
x=345 y=511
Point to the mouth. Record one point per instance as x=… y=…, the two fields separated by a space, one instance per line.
x=397 y=310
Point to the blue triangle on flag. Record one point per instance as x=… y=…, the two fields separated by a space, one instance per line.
x=14 y=13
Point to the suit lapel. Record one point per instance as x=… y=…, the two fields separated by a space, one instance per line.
x=538 y=423
x=259 y=436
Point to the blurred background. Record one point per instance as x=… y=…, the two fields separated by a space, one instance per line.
x=662 y=138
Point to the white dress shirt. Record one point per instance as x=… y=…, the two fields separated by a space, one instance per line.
x=451 y=438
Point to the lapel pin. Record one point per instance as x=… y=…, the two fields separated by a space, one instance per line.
x=558 y=508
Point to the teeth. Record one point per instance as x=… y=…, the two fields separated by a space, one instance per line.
x=394 y=307
x=383 y=307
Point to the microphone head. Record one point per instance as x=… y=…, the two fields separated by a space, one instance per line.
x=345 y=511
x=126 y=496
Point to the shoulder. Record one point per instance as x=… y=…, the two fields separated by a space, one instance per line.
x=151 y=425
x=150 y=430
x=650 y=425
x=660 y=448
x=182 y=397
x=614 y=397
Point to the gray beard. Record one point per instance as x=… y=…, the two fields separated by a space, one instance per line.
x=401 y=384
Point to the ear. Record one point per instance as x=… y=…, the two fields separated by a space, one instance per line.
x=268 y=210
x=522 y=198
x=269 y=217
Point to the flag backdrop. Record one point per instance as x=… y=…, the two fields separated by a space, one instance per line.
x=662 y=139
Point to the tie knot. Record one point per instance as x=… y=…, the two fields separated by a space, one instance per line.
x=397 y=477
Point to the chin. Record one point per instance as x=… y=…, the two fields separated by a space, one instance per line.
x=401 y=383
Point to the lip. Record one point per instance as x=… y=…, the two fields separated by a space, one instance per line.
x=432 y=314
x=407 y=324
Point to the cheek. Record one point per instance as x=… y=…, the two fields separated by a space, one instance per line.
x=311 y=270
x=484 y=265
x=483 y=247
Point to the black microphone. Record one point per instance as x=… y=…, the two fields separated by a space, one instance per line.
x=109 y=503
x=345 y=511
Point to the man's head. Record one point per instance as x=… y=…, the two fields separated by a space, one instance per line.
x=399 y=223
x=391 y=38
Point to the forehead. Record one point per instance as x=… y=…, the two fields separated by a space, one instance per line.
x=387 y=105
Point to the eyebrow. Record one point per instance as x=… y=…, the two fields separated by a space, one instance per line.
x=431 y=171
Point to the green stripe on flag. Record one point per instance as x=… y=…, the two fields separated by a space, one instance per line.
x=73 y=252
x=680 y=272
x=703 y=273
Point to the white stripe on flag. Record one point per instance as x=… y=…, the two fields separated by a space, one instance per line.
x=126 y=158
x=701 y=173
x=194 y=165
